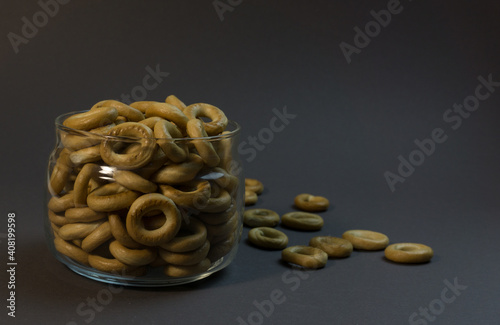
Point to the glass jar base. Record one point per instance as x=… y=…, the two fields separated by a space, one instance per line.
x=154 y=278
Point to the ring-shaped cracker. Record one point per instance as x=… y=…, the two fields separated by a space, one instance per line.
x=71 y=251
x=134 y=182
x=86 y=155
x=61 y=172
x=218 y=121
x=261 y=218
x=185 y=271
x=333 y=246
x=142 y=135
x=78 y=230
x=366 y=239
x=186 y=258
x=269 y=238
x=219 y=217
x=219 y=201
x=91 y=119
x=196 y=130
x=151 y=121
x=191 y=236
x=61 y=203
x=179 y=173
x=306 y=256
x=168 y=112
x=409 y=253
x=111 y=197
x=302 y=221
x=173 y=100
x=254 y=185
x=222 y=178
x=193 y=194
x=224 y=148
x=165 y=133
x=134 y=257
x=250 y=198
x=145 y=204
x=130 y=113
x=120 y=232
x=112 y=265
x=157 y=162
x=74 y=140
x=311 y=203
x=81 y=186
x=223 y=230
x=223 y=247
x=84 y=214
x=142 y=105
x=97 y=237
x=57 y=219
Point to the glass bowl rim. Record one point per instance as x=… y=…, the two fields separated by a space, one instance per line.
x=60 y=119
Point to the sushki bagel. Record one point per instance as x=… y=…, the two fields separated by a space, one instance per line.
x=366 y=239
x=144 y=204
x=269 y=238
x=409 y=253
x=132 y=160
x=191 y=236
x=306 y=256
x=311 y=203
x=91 y=119
x=218 y=119
x=165 y=132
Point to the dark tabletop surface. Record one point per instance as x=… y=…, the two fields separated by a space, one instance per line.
x=388 y=108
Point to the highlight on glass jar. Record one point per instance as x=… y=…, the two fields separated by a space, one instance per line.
x=145 y=195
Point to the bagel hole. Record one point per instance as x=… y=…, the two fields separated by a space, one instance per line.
x=205 y=119
x=407 y=248
x=128 y=147
x=154 y=222
x=117 y=146
x=309 y=198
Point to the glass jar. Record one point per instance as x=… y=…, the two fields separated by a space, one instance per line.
x=143 y=211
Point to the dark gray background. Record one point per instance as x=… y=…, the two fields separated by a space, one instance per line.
x=352 y=122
